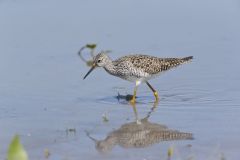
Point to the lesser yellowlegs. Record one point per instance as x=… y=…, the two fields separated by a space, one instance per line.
x=136 y=68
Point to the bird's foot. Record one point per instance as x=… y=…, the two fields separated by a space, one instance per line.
x=133 y=100
x=156 y=96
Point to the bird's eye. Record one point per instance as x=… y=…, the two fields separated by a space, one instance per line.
x=99 y=61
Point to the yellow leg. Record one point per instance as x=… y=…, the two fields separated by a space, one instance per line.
x=154 y=91
x=133 y=100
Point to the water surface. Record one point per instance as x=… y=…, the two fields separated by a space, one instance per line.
x=43 y=96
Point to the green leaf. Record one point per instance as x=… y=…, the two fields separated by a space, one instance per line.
x=16 y=150
x=89 y=63
x=91 y=46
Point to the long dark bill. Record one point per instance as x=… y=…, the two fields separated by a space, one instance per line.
x=94 y=66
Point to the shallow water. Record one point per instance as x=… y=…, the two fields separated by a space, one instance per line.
x=43 y=96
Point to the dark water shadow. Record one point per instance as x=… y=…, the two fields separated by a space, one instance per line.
x=125 y=99
x=140 y=133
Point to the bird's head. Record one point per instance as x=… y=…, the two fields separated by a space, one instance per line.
x=100 y=60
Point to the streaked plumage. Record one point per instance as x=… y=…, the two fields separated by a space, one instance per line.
x=137 y=68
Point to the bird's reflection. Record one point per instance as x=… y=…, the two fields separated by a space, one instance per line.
x=138 y=134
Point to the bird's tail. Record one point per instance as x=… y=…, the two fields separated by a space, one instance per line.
x=186 y=59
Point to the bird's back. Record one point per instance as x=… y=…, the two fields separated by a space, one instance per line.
x=150 y=64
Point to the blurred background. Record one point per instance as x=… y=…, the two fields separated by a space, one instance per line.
x=42 y=94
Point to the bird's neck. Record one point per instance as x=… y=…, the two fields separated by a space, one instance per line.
x=110 y=67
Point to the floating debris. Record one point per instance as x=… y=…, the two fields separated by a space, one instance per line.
x=71 y=130
x=104 y=117
x=92 y=48
x=92 y=53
